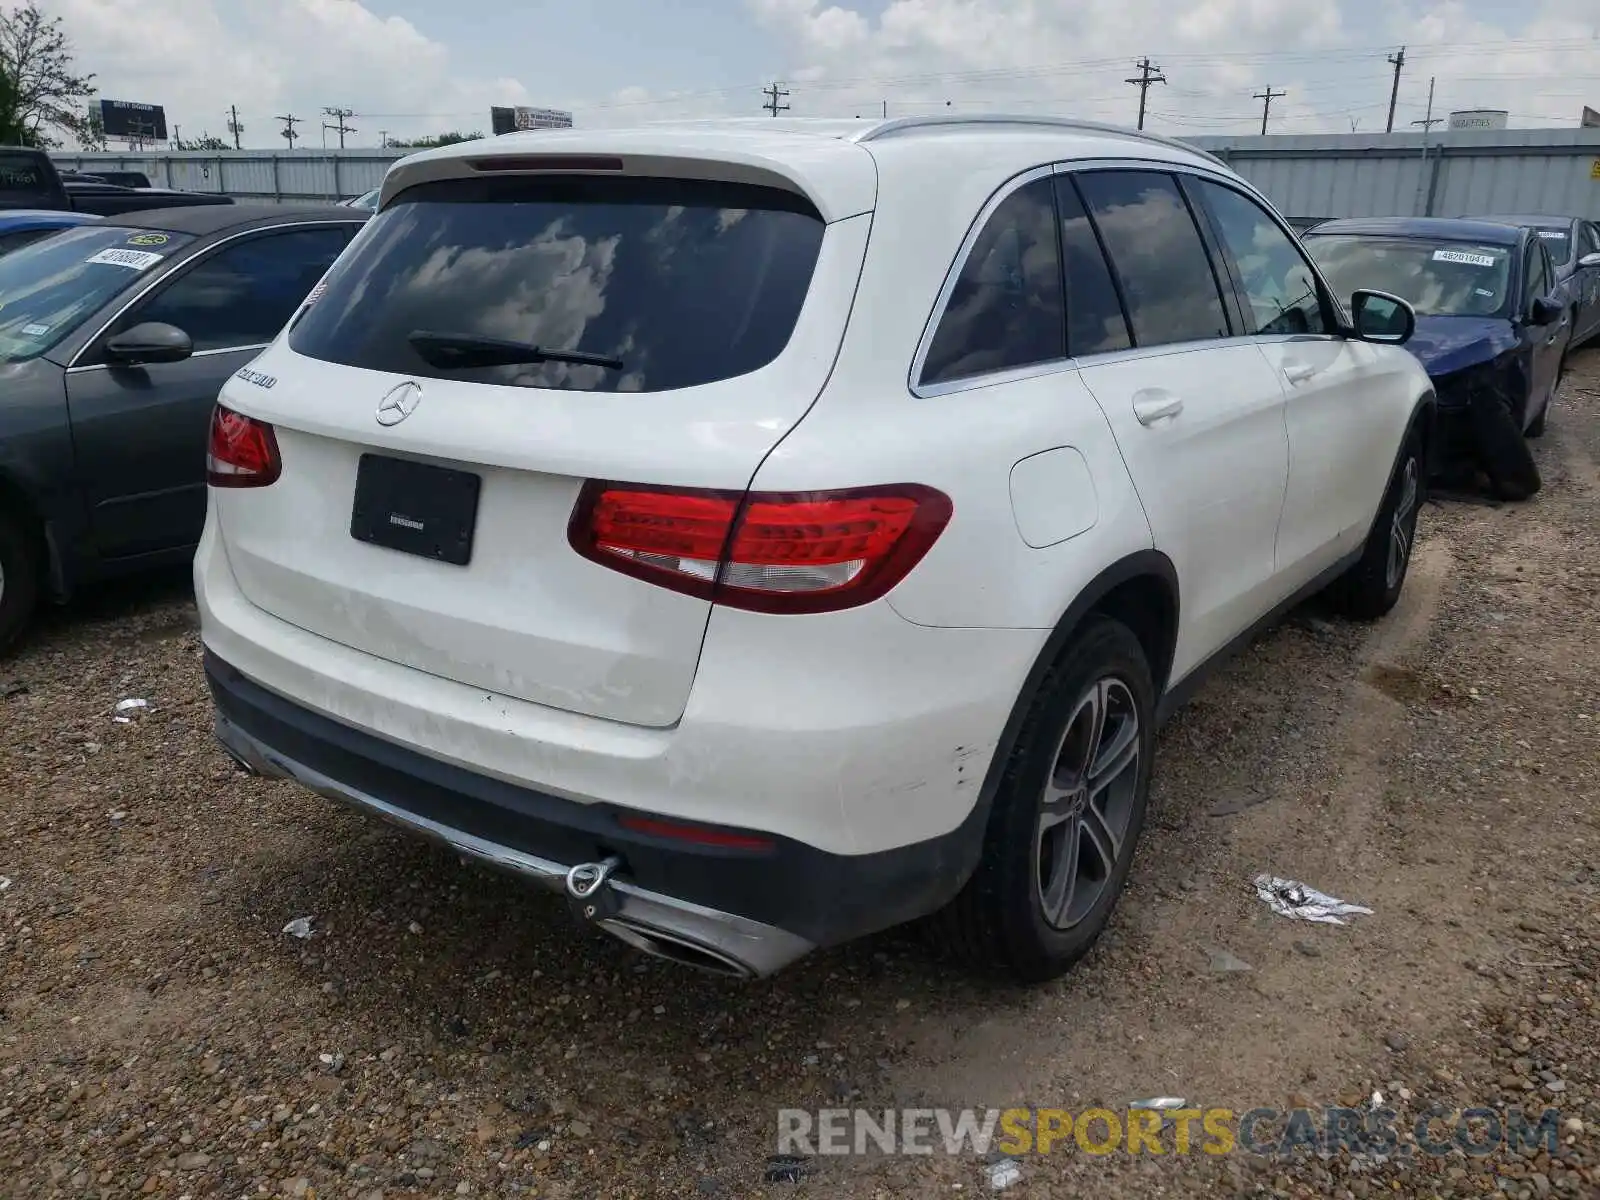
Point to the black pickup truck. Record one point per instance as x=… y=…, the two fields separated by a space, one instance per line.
x=28 y=179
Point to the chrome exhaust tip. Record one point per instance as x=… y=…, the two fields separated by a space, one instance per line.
x=679 y=950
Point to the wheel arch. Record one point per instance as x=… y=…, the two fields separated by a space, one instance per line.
x=1141 y=590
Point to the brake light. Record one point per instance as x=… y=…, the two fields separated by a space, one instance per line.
x=771 y=552
x=243 y=451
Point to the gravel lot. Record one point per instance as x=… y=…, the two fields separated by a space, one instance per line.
x=447 y=1032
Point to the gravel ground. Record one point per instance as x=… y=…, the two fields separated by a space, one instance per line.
x=447 y=1032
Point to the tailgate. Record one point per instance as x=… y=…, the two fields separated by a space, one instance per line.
x=722 y=318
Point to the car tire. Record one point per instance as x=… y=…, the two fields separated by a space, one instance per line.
x=1371 y=587
x=19 y=579
x=1502 y=448
x=1066 y=816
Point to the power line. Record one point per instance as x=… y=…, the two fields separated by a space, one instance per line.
x=773 y=95
x=1148 y=74
x=1267 y=97
x=1398 y=61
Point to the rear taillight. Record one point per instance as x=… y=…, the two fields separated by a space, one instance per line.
x=772 y=552
x=243 y=451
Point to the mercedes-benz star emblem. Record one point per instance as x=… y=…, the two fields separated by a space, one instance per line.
x=399 y=402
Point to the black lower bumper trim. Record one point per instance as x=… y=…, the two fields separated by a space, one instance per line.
x=822 y=897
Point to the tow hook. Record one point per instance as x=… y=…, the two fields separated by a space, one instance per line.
x=589 y=890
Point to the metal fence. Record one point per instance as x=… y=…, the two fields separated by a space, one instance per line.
x=284 y=177
x=1457 y=174
x=1460 y=173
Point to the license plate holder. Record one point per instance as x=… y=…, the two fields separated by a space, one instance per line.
x=415 y=508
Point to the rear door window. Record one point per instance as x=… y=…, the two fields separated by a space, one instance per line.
x=1095 y=321
x=1004 y=311
x=672 y=283
x=1160 y=262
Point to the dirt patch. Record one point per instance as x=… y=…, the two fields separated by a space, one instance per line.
x=448 y=1032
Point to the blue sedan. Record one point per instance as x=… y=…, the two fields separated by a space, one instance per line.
x=1574 y=246
x=20 y=226
x=1492 y=329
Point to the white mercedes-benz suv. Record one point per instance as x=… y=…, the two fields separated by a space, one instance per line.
x=768 y=532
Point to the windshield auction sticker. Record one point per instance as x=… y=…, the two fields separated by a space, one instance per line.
x=149 y=239
x=1466 y=257
x=138 y=260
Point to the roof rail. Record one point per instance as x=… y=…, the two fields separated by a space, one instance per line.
x=895 y=125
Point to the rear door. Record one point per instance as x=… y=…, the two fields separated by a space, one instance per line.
x=713 y=311
x=1197 y=412
x=1343 y=397
x=140 y=431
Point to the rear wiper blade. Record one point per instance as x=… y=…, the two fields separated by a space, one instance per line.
x=462 y=351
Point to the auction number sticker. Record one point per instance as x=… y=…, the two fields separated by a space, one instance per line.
x=149 y=239
x=1465 y=257
x=138 y=260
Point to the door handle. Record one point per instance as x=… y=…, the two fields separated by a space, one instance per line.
x=1155 y=404
x=1296 y=372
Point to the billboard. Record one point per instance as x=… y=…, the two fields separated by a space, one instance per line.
x=1478 y=118
x=125 y=119
x=511 y=120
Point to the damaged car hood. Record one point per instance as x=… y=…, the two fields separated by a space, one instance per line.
x=1446 y=345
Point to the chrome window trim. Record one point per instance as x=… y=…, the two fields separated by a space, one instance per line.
x=258 y=346
x=152 y=284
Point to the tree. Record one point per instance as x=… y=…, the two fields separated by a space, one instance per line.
x=441 y=139
x=42 y=93
x=205 y=141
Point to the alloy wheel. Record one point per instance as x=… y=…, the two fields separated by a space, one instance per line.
x=1088 y=803
x=1402 y=526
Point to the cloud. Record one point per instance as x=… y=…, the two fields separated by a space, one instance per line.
x=198 y=57
x=1042 y=56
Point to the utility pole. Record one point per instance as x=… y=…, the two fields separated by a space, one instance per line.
x=289 y=122
x=1397 y=61
x=773 y=95
x=885 y=110
x=1267 y=97
x=383 y=139
x=1430 y=120
x=1148 y=74
x=233 y=125
x=338 y=114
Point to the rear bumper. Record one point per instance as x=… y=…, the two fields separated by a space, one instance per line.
x=856 y=760
x=245 y=717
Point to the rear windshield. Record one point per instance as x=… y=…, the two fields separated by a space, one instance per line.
x=678 y=282
x=24 y=178
x=1438 y=279
x=49 y=288
x=1556 y=240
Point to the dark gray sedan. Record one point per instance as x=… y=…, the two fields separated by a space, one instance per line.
x=115 y=338
x=1574 y=245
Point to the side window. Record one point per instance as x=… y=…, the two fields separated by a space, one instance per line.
x=1005 y=308
x=1588 y=239
x=1166 y=276
x=1278 y=282
x=1536 y=282
x=245 y=293
x=1095 y=321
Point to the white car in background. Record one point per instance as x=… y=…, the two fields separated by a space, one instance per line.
x=772 y=531
x=367 y=200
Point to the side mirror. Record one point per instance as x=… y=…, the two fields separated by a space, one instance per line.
x=1382 y=318
x=151 y=342
x=1590 y=260
x=1544 y=311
